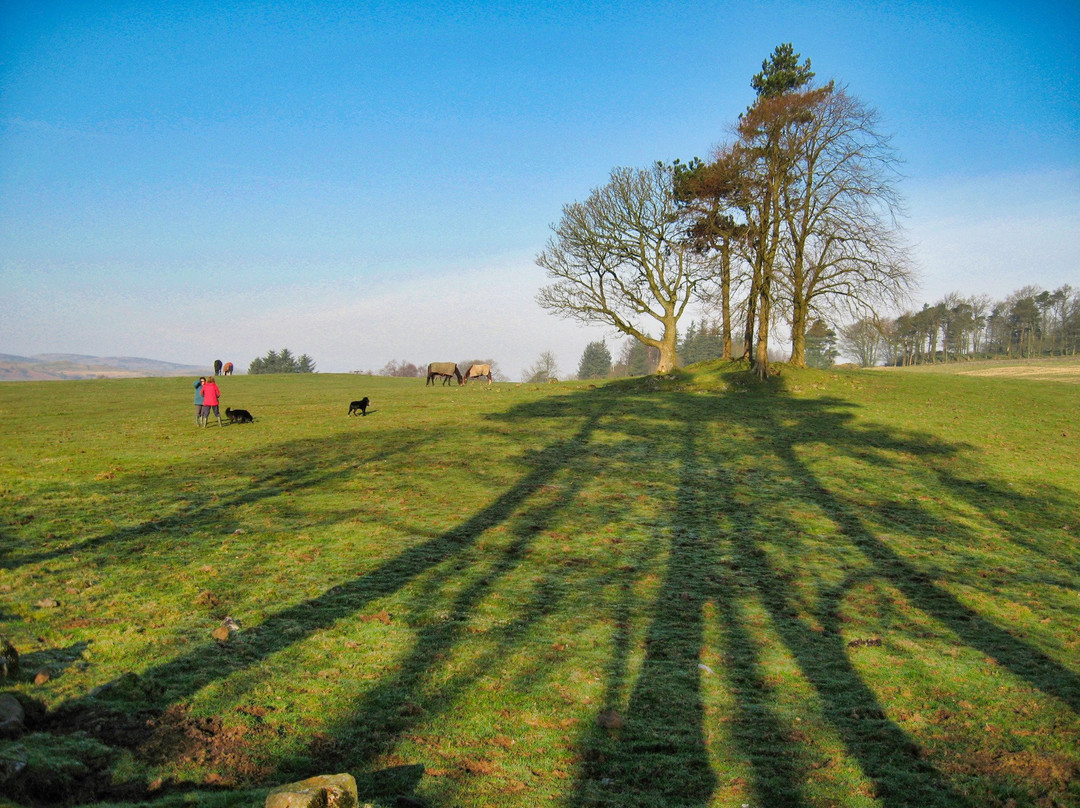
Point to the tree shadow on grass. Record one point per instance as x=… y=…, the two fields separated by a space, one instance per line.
x=400 y=699
x=622 y=766
x=716 y=552
x=1020 y=657
x=266 y=475
x=883 y=749
x=653 y=751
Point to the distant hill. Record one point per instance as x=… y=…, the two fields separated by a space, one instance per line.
x=52 y=367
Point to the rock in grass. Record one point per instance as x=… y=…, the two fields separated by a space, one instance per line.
x=12 y=717
x=227 y=628
x=325 y=791
x=609 y=719
x=9 y=660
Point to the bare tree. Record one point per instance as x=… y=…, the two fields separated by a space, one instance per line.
x=981 y=306
x=843 y=247
x=622 y=258
x=544 y=369
x=401 y=369
x=865 y=340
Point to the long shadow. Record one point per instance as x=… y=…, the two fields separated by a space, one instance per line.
x=883 y=749
x=628 y=763
x=266 y=483
x=1021 y=658
x=410 y=696
x=660 y=756
x=402 y=699
x=656 y=754
x=195 y=669
x=885 y=753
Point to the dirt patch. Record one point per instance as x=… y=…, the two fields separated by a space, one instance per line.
x=1062 y=373
x=177 y=737
x=68 y=755
x=1044 y=773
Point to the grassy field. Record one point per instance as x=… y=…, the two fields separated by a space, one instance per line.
x=837 y=588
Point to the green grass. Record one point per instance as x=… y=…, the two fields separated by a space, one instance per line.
x=838 y=588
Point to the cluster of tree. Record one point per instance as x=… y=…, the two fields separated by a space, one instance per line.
x=282 y=361
x=1030 y=322
x=794 y=218
x=635 y=359
x=403 y=369
x=701 y=342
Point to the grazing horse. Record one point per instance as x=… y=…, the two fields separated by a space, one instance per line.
x=478 y=372
x=226 y=369
x=217 y=367
x=448 y=370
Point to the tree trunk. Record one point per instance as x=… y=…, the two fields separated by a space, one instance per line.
x=725 y=299
x=751 y=309
x=668 y=346
x=761 y=355
x=798 y=336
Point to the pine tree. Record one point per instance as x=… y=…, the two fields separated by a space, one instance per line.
x=595 y=361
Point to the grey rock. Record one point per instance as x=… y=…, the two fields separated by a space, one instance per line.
x=324 y=791
x=12 y=717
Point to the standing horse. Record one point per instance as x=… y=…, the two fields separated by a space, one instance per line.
x=217 y=367
x=447 y=370
x=477 y=372
x=226 y=369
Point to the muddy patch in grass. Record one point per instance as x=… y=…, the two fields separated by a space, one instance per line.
x=69 y=756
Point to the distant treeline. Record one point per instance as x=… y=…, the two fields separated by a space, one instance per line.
x=1030 y=322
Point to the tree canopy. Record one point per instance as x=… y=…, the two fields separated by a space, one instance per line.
x=595 y=361
x=622 y=258
x=281 y=361
x=801 y=208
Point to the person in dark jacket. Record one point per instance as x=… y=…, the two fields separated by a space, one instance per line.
x=199 y=399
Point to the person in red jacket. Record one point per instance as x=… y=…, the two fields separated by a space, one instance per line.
x=211 y=396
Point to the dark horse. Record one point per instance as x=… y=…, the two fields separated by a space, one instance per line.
x=447 y=370
x=217 y=367
x=226 y=369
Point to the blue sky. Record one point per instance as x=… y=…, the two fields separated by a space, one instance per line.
x=372 y=181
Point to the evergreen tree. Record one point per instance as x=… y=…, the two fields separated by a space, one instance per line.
x=820 y=345
x=701 y=343
x=781 y=73
x=638 y=359
x=595 y=361
x=281 y=361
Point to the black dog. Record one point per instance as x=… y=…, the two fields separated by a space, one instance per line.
x=238 y=416
x=361 y=405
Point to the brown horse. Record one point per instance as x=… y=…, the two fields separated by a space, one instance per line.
x=447 y=370
x=226 y=369
x=477 y=372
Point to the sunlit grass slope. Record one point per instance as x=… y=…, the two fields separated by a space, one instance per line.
x=836 y=588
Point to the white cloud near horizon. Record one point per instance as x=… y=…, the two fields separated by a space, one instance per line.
x=344 y=325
